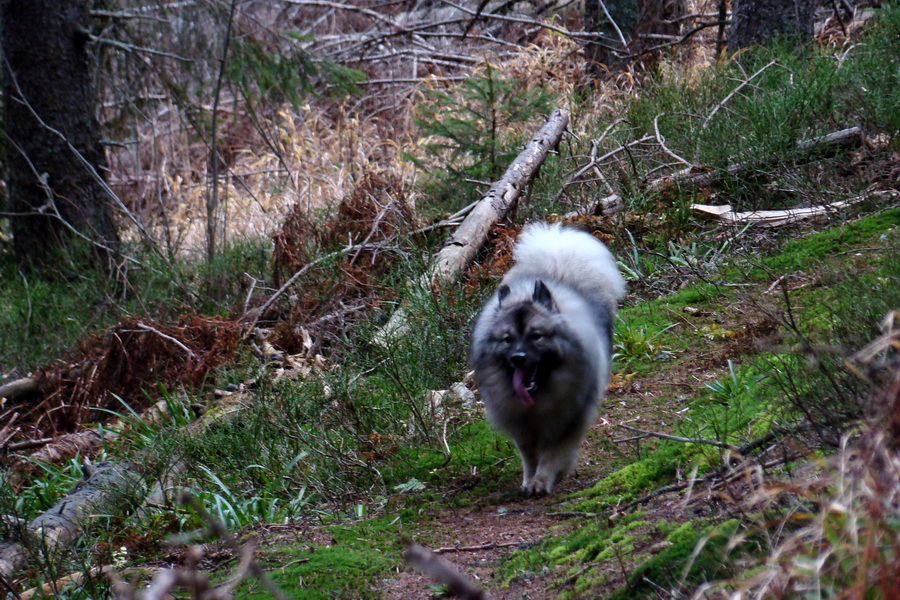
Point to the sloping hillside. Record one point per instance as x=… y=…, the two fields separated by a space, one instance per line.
x=282 y=419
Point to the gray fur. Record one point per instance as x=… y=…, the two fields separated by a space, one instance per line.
x=542 y=348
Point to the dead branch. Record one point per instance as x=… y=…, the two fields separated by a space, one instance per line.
x=691 y=179
x=735 y=91
x=725 y=472
x=675 y=438
x=14 y=390
x=684 y=38
x=29 y=444
x=460 y=248
x=443 y=571
x=596 y=162
x=662 y=143
x=258 y=312
x=773 y=218
x=525 y=21
x=8 y=431
x=475 y=548
x=181 y=345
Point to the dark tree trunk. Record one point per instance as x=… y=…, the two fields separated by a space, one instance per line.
x=631 y=18
x=756 y=21
x=49 y=76
x=605 y=50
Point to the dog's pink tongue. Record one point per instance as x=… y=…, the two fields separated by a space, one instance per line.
x=519 y=379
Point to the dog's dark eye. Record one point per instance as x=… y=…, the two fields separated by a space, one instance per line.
x=507 y=338
x=536 y=336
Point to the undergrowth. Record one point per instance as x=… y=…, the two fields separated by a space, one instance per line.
x=367 y=435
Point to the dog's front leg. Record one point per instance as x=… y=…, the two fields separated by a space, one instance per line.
x=553 y=464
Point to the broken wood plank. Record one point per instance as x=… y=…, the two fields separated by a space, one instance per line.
x=777 y=218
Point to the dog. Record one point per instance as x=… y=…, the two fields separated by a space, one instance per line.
x=542 y=348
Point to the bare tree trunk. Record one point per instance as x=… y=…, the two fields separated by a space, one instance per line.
x=50 y=102
x=756 y=21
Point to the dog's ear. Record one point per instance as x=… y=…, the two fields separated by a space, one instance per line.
x=502 y=293
x=542 y=296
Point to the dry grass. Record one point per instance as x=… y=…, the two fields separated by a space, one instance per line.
x=837 y=534
x=304 y=157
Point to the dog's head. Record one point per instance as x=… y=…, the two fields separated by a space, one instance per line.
x=527 y=340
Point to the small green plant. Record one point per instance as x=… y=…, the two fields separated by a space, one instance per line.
x=634 y=343
x=237 y=510
x=42 y=492
x=143 y=430
x=467 y=131
x=730 y=387
x=468 y=122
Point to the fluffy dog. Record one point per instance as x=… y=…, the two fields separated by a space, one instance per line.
x=542 y=347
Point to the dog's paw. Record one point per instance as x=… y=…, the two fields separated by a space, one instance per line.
x=538 y=486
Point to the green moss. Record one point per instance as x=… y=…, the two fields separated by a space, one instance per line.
x=629 y=482
x=803 y=253
x=349 y=567
x=684 y=560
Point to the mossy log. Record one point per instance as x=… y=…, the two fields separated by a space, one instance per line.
x=106 y=484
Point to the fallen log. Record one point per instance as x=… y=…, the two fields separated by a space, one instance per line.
x=20 y=388
x=460 y=248
x=692 y=179
x=63 y=524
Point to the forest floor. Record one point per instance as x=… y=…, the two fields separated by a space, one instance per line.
x=755 y=382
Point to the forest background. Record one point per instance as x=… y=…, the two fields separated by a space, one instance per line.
x=229 y=366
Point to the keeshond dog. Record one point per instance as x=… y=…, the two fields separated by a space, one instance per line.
x=542 y=347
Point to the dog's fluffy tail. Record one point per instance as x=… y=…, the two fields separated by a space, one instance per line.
x=570 y=256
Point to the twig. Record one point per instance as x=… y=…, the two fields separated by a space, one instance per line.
x=734 y=92
x=721 y=472
x=683 y=440
x=678 y=41
x=450 y=221
x=475 y=548
x=632 y=438
x=29 y=444
x=349 y=7
x=443 y=571
x=573 y=178
x=614 y=24
x=535 y=22
x=187 y=350
x=137 y=49
x=268 y=303
x=662 y=142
